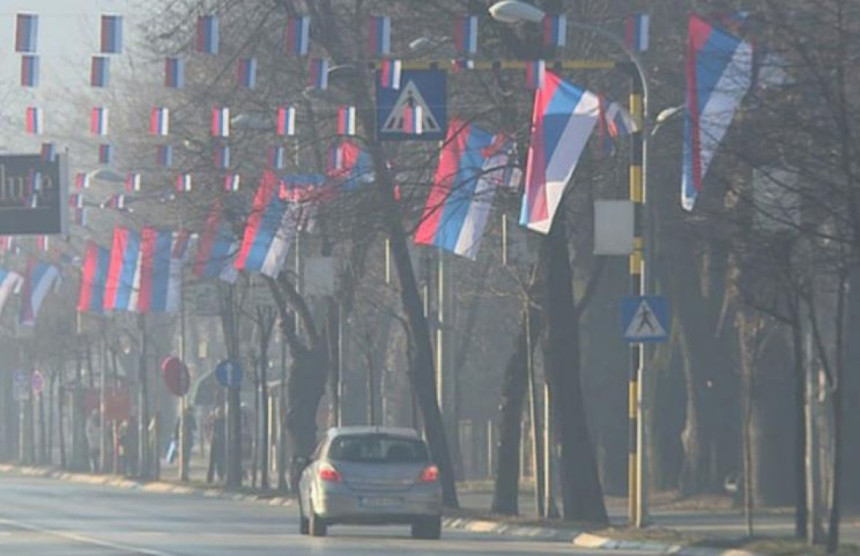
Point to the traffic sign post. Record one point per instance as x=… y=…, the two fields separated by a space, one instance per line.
x=228 y=373
x=419 y=88
x=645 y=318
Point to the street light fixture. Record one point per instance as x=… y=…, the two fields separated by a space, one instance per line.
x=514 y=11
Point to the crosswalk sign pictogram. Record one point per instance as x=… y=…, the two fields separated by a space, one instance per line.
x=645 y=319
x=423 y=89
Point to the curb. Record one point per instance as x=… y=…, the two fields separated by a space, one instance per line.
x=589 y=540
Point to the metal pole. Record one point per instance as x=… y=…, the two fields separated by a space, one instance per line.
x=537 y=462
x=440 y=330
x=183 y=400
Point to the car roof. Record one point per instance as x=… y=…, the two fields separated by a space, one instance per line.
x=392 y=431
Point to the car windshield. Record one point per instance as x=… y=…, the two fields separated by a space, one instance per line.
x=377 y=448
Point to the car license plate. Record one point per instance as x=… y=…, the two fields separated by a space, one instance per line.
x=375 y=502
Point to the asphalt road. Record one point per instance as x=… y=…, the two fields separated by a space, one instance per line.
x=40 y=516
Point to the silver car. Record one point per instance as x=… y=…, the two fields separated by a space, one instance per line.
x=371 y=475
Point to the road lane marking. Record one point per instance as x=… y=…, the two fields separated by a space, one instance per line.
x=84 y=539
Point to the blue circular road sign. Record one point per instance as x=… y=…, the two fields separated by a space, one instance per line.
x=229 y=373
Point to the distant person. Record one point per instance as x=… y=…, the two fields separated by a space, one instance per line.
x=93 y=433
x=217 y=424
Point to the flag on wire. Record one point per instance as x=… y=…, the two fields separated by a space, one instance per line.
x=80 y=216
x=7 y=244
x=231 y=182
x=164 y=156
x=562 y=120
x=174 y=73
x=276 y=158
x=350 y=166
x=207 y=34
x=159 y=121
x=555 y=30
x=26 y=32
x=466 y=35
x=318 y=73
x=390 y=73
x=105 y=153
x=183 y=183
x=719 y=74
x=82 y=181
x=216 y=248
x=379 y=36
x=220 y=122
x=246 y=72
x=49 y=151
x=111 y=34
x=99 y=71
x=286 y=124
x=346 y=120
x=99 y=121
x=43 y=243
x=39 y=280
x=221 y=156
x=10 y=282
x=297 y=35
x=636 y=31
x=76 y=200
x=114 y=202
x=94 y=273
x=535 y=73
x=35 y=120
x=29 y=70
x=465 y=183
x=132 y=182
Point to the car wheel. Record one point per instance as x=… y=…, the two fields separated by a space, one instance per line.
x=427 y=528
x=317 y=526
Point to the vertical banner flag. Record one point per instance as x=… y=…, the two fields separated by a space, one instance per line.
x=91 y=298
x=132 y=182
x=207 y=34
x=286 y=124
x=49 y=151
x=99 y=71
x=76 y=200
x=159 y=121
x=221 y=156
x=216 y=248
x=99 y=121
x=231 y=182
x=183 y=183
x=174 y=73
x=636 y=31
x=43 y=243
x=114 y=202
x=318 y=73
x=246 y=72
x=164 y=156
x=82 y=181
x=105 y=153
x=220 y=122
x=123 y=277
x=297 y=35
x=466 y=180
x=276 y=158
x=379 y=36
x=270 y=229
x=80 y=216
x=26 y=33
x=466 y=35
x=35 y=120
x=158 y=275
x=390 y=73
x=38 y=282
x=562 y=120
x=10 y=282
x=555 y=30
x=346 y=120
x=111 y=34
x=535 y=72
x=719 y=74
x=29 y=70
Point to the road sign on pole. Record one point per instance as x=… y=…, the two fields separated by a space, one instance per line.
x=425 y=90
x=645 y=318
x=229 y=373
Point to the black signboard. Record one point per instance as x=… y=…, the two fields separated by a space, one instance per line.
x=33 y=193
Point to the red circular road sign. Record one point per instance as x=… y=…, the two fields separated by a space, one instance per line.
x=175 y=374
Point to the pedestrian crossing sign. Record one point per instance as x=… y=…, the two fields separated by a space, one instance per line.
x=645 y=319
x=422 y=92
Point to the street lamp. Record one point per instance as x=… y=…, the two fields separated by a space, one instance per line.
x=515 y=11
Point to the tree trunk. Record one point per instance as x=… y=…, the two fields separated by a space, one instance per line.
x=850 y=494
x=581 y=491
x=800 y=439
x=305 y=388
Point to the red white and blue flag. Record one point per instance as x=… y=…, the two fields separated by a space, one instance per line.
x=614 y=122
x=346 y=120
x=123 y=278
x=99 y=121
x=29 y=70
x=132 y=182
x=114 y=202
x=174 y=73
x=76 y=200
x=164 y=156
x=297 y=35
x=466 y=35
x=39 y=280
x=636 y=31
x=82 y=181
x=562 y=120
x=159 y=121
x=207 y=34
x=466 y=180
x=91 y=297
x=99 y=71
x=379 y=36
x=10 y=282
x=350 y=166
x=111 y=34
x=276 y=158
x=221 y=156
x=535 y=74
x=26 y=32
x=216 y=248
x=318 y=73
x=183 y=183
x=80 y=216
x=35 y=120
x=161 y=256
x=231 y=182
x=390 y=73
x=555 y=30
x=105 y=153
x=220 y=122
x=719 y=74
x=286 y=124
x=246 y=72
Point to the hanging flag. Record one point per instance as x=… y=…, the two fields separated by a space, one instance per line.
x=303 y=192
x=161 y=252
x=76 y=200
x=94 y=273
x=80 y=216
x=38 y=282
x=562 y=120
x=82 y=181
x=719 y=74
x=164 y=156
x=555 y=30
x=114 y=202
x=123 y=277
x=132 y=182
x=276 y=158
x=29 y=70
x=350 y=166
x=379 y=36
x=636 y=31
x=465 y=183
x=462 y=64
x=10 y=282
x=318 y=73
x=216 y=248
x=535 y=73
x=49 y=152
x=105 y=153
x=613 y=122
x=207 y=34
x=7 y=244
x=99 y=71
x=286 y=121
x=43 y=243
x=221 y=156
x=99 y=121
x=346 y=120
x=183 y=183
x=390 y=73
x=246 y=72
x=111 y=34
x=231 y=183
x=220 y=122
x=466 y=35
x=35 y=120
x=26 y=32
x=159 y=121
x=174 y=73
x=269 y=231
x=297 y=35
